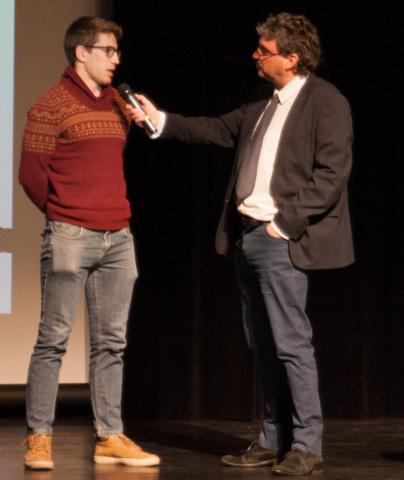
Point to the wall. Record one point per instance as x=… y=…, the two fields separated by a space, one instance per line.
x=39 y=62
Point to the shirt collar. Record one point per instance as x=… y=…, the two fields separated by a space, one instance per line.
x=291 y=89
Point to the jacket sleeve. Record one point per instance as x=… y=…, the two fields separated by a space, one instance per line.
x=38 y=144
x=331 y=169
x=222 y=131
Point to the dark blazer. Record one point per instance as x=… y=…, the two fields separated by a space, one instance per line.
x=309 y=180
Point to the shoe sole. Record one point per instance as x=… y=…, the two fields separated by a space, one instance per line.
x=264 y=463
x=132 y=462
x=39 y=465
x=315 y=471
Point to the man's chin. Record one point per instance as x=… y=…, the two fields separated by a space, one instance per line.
x=107 y=80
x=106 y=83
x=262 y=75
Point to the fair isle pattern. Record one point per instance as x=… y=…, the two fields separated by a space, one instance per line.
x=83 y=126
x=59 y=117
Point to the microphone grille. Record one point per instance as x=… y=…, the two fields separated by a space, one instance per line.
x=124 y=90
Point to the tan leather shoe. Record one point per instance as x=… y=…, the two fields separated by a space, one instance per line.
x=298 y=462
x=119 y=449
x=39 y=452
x=253 y=456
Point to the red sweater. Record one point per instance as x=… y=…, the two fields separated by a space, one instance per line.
x=72 y=155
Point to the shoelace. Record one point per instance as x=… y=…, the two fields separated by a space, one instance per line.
x=300 y=455
x=251 y=446
x=37 y=443
x=127 y=441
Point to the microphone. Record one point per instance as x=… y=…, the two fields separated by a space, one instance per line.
x=127 y=94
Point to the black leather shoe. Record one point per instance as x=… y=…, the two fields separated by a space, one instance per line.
x=253 y=456
x=297 y=462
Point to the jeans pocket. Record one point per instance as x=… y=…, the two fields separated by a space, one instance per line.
x=66 y=230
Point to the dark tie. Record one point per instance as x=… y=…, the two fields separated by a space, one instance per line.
x=249 y=163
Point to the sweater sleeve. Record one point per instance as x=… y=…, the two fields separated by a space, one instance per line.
x=38 y=144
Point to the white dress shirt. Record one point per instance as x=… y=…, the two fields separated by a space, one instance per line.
x=260 y=205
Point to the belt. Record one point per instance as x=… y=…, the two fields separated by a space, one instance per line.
x=249 y=224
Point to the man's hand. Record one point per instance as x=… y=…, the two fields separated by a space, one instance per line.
x=271 y=232
x=148 y=108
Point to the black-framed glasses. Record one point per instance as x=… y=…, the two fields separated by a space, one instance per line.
x=109 y=51
x=262 y=54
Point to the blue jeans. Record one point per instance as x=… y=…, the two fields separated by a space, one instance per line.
x=274 y=295
x=103 y=263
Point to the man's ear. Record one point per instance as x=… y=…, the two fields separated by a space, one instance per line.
x=293 y=59
x=80 y=53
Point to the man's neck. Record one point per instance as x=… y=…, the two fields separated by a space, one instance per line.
x=287 y=78
x=93 y=86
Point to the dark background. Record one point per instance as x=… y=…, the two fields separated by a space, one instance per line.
x=187 y=356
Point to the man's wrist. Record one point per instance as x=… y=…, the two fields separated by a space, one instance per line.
x=162 y=117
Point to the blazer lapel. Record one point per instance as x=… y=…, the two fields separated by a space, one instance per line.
x=294 y=114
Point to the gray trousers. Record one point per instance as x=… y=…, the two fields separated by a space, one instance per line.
x=274 y=295
x=103 y=264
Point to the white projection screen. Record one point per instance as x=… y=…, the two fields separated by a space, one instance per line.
x=7 y=15
x=31 y=48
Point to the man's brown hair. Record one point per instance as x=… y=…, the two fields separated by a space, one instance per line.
x=293 y=34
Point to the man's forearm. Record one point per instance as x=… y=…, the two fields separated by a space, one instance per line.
x=34 y=179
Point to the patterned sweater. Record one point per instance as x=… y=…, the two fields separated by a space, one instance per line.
x=72 y=155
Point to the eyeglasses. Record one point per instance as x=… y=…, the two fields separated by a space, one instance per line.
x=261 y=54
x=109 y=51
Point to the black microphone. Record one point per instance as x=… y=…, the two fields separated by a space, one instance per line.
x=126 y=93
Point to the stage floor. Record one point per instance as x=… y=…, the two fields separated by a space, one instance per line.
x=354 y=450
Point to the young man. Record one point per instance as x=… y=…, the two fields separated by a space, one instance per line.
x=72 y=170
x=286 y=211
